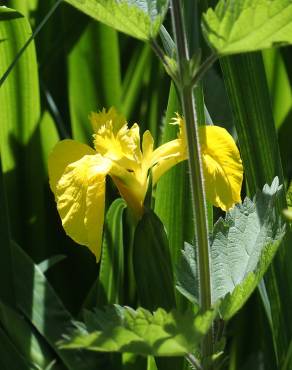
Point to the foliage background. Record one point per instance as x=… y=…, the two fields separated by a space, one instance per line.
x=81 y=66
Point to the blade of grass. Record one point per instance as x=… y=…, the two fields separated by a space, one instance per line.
x=19 y=136
x=40 y=304
x=134 y=79
x=279 y=85
x=27 y=42
x=7 y=293
x=173 y=192
x=93 y=76
x=249 y=97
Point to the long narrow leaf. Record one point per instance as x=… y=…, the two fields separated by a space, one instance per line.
x=19 y=135
x=249 y=97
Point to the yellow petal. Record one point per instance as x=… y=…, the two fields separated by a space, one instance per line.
x=166 y=156
x=98 y=120
x=64 y=153
x=222 y=167
x=115 y=140
x=80 y=196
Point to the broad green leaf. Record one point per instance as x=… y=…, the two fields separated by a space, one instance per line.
x=140 y=19
x=237 y=26
x=123 y=329
x=152 y=264
x=242 y=248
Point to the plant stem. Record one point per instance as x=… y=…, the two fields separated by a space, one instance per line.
x=195 y=167
x=204 y=67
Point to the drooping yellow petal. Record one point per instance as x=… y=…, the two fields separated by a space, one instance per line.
x=80 y=197
x=64 y=153
x=222 y=167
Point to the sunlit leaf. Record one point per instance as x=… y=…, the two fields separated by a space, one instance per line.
x=122 y=329
x=140 y=19
x=242 y=247
x=237 y=26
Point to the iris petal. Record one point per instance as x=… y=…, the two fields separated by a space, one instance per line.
x=64 y=153
x=222 y=167
x=80 y=197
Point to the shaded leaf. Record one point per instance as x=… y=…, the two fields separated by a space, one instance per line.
x=237 y=26
x=44 y=309
x=38 y=354
x=111 y=274
x=242 y=247
x=122 y=329
x=152 y=263
x=140 y=19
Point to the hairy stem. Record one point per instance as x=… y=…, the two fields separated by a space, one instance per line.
x=195 y=166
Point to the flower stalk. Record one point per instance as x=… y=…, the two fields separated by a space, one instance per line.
x=195 y=166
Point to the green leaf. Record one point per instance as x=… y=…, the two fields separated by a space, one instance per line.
x=173 y=191
x=246 y=83
x=7 y=293
x=242 y=247
x=11 y=358
x=279 y=85
x=152 y=264
x=109 y=285
x=94 y=77
x=42 y=307
x=122 y=329
x=140 y=19
x=111 y=274
x=38 y=353
x=19 y=134
x=237 y=26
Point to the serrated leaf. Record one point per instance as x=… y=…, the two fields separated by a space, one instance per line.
x=242 y=247
x=237 y=26
x=123 y=329
x=140 y=19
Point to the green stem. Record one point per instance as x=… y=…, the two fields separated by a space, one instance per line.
x=204 y=67
x=195 y=167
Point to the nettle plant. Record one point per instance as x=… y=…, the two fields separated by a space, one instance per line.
x=222 y=267
x=169 y=288
x=224 y=264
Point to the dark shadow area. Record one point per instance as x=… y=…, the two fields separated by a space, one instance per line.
x=8 y=15
x=284 y=133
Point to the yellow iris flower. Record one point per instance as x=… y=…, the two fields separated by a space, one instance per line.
x=77 y=172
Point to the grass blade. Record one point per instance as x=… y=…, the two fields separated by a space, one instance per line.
x=19 y=135
x=249 y=97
